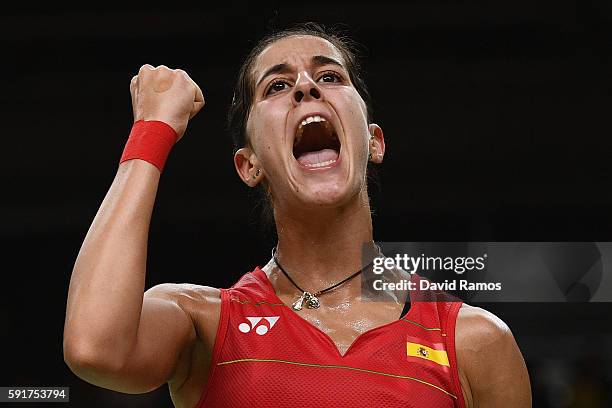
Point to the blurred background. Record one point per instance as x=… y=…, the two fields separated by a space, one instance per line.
x=497 y=118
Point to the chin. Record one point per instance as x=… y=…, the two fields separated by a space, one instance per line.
x=326 y=195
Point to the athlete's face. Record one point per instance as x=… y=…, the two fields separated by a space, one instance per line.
x=307 y=126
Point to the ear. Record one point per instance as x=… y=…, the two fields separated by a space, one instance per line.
x=376 y=143
x=248 y=167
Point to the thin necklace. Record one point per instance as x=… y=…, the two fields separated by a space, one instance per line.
x=311 y=299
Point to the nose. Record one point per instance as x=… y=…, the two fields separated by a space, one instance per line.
x=305 y=89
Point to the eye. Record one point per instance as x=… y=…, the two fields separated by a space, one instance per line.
x=330 y=77
x=276 y=86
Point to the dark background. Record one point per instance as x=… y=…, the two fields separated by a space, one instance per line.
x=496 y=117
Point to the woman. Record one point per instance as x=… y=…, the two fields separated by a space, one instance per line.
x=296 y=331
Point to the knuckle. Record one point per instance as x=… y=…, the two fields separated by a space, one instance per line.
x=182 y=74
x=185 y=80
x=145 y=67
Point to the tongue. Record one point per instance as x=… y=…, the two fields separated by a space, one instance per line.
x=320 y=156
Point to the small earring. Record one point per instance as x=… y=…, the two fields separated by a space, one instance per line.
x=256 y=174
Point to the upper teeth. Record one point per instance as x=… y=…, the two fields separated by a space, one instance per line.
x=311 y=119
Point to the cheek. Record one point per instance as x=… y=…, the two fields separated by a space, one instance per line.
x=267 y=124
x=354 y=114
x=352 y=100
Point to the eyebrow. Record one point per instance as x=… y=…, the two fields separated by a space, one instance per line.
x=316 y=61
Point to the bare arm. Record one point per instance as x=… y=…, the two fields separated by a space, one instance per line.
x=492 y=371
x=112 y=332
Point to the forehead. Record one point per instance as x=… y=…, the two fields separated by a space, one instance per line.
x=295 y=50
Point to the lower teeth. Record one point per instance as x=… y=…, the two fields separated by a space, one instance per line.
x=325 y=163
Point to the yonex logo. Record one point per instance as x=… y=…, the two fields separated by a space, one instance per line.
x=261 y=328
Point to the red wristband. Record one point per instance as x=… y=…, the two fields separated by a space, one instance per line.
x=150 y=140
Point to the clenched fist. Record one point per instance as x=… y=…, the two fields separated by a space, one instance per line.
x=167 y=95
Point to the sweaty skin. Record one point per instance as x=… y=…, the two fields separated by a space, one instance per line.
x=111 y=335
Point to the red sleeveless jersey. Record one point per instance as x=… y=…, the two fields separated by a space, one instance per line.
x=266 y=355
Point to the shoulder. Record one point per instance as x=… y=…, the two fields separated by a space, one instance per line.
x=489 y=360
x=481 y=336
x=201 y=303
x=193 y=299
x=479 y=327
x=184 y=292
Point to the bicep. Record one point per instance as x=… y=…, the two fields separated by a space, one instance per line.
x=491 y=361
x=165 y=334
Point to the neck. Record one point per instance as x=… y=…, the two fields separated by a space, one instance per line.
x=320 y=248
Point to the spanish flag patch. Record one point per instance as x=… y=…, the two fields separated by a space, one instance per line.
x=435 y=354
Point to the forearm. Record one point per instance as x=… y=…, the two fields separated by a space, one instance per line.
x=107 y=284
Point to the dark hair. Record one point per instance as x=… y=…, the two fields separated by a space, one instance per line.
x=242 y=100
x=244 y=90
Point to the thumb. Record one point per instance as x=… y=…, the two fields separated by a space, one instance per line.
x=133 y=94
x=198 y=102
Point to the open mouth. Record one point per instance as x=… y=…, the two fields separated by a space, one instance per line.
x=316 y=143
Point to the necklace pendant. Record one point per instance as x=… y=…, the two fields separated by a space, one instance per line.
x=312 y=302
x=297 y=305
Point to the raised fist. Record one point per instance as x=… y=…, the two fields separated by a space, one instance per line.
x=167 y=95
